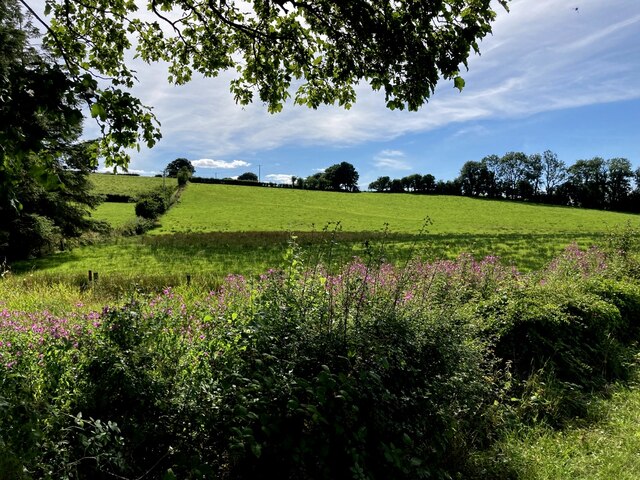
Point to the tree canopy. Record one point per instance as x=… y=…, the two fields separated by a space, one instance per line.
x=313 y=50
x=174 y=167
x=44 y=190
x=248 y=177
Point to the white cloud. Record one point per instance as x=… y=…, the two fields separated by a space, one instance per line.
x=278 y=178
x=543 y=56
x=145 y=173
x=209 y=163
x=391 y=159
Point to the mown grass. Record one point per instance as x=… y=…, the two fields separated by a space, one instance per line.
x=126 y=185
x=225 y=208
x=115 y=214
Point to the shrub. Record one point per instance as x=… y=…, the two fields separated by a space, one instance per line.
x=183 y=176
x=138 y=226
x=150 y=207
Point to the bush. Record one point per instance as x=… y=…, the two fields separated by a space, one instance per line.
x=152 y=205
x=138 y=226
x=183 y=176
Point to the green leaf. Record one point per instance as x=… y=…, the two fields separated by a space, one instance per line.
x=459 y=83
x=256 y=448
x=169 y=475
x=98 y=110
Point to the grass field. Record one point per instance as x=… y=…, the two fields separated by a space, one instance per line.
x=125 y=184
x=606 y=449
x=223 y=208
x=215 y=230
x=116 y=214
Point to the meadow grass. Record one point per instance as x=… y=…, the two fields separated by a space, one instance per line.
x=126 y=185
x=115 y=214
x=159 y=260
x=608 y=448
x=226 y=208
x=215 y=230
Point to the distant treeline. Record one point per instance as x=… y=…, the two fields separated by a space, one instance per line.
x=233 y=181
x=596 y=183
x=339 y=177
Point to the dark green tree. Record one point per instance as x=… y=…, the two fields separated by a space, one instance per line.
x=554 y=172
x=511 y=171
x=476 y=179
x=428 y=183
x=381 y=184
x=588 y=182
x=248 y=177
x=342 y=176
x=317 y=181
x=44 y=189
x=183 y=176
x=620 y=174
x=412 y=183
x=396 y=186
x=531 y=177
x=178 y=164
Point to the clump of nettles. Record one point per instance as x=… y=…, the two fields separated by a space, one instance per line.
x=312 y=371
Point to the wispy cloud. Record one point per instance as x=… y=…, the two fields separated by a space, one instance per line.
x=222 y=164
x=391 y=159
x=543 y=56
x=146 y=173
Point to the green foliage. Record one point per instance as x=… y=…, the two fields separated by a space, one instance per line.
x=183 y=176
x=248 y=177
x=174 y=168
x=369 y=371
x=151 y=206
x=44 y=192
x=272 y=45
x=155 y=203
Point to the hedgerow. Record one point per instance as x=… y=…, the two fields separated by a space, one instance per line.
x=370 y=371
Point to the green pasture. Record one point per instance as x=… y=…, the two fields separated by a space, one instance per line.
x=116 y=214
x=225 y=208
x=126 y=184
x=215 y=230
x=153 y=261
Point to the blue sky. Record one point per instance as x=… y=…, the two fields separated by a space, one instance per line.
x=550 y=77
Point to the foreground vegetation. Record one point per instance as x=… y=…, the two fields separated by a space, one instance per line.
x=605 y=449
x=374 y=371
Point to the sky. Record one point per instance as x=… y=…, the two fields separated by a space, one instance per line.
x=555 y=75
